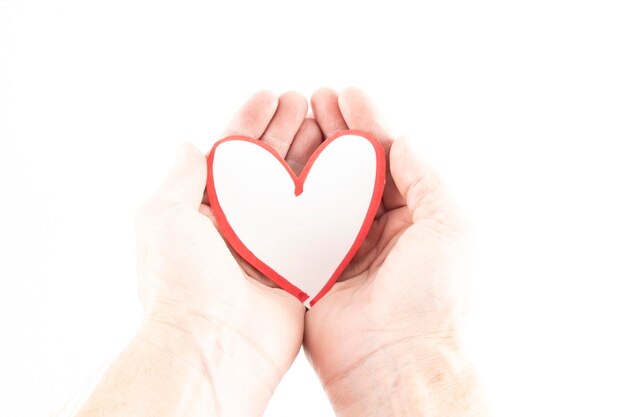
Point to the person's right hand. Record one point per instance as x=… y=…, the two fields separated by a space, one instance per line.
x=385 y=340
x=201 y=297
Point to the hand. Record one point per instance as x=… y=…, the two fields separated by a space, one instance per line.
x=384 y=340
x=214 y=339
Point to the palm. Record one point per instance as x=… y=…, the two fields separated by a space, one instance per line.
x=276 y=344
x=176 y=240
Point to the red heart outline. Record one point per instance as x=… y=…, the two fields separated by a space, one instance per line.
x=231 y=237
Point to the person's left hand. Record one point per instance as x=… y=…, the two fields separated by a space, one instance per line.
x=386 y=337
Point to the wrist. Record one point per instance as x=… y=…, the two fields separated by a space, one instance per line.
x=239 y=379
x=409 y=378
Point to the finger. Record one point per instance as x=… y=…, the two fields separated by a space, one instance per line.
x=391 y=196
x=308 y=138
x=325 y=105
x=206 y=210
x=251 y=119
x=290 y=114
x=360 y=113
x=417 y=182
x=254 y=116
x=186 y=181
x=205 y=198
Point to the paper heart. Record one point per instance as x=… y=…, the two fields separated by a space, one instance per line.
x=299 y=231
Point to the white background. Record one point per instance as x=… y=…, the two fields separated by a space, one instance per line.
x=520 y=105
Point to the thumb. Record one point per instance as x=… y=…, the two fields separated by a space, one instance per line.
x=186 y=181
x=416 y=180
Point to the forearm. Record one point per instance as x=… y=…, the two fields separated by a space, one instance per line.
x=396 y=381
x=168 y=371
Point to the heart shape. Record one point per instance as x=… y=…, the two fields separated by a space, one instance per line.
x=299 y=231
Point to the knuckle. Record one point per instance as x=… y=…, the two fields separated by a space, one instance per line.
x=449 y=217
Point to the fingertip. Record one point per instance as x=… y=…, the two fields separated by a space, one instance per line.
x=186 y=180
x=310 y=124
x=188 y=155
x=266 y=97
x=295 y=98
x=408 y=169
x=403 y=162
x=352 y=93
x=254 y=116
x=360 y=113
x=327 y=112
x=188 y=148
x=401 y=172
x=297 y=103
x=322 y=93
x=264 y=101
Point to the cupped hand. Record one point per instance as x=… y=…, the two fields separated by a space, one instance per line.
x=247 y=333
x=396 y=310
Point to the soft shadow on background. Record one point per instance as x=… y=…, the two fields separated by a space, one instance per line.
x=521 y=106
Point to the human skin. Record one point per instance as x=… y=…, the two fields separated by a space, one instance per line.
x=385 y=341
x=214 y=340
x=218 y=336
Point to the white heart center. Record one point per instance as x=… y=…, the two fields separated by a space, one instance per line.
x=303 y=238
